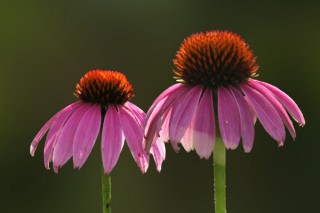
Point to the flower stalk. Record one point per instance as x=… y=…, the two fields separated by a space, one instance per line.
x=219 y=164
x=106 y=192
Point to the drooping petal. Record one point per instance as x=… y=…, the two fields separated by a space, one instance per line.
x=203 y=128
x=134 y=136
x=164 y=132
x=229 y=118
x=41 y=133
x=266 y=113
x=139 y=113
x=63 y=149
x=158 y=150
x=182 y=114
x=152 y=126
x=47 y=125
x=246 y=118
x=168 y=92
x=276 y=104
x=286 y=101
x=155 y=113
x=112 y=139
x=186 y=140
x=86 y=135
x=55 y=131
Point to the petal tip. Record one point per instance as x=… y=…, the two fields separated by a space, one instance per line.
x=159 y=167
x=175 y=146
x=76 y=166
x=207 y=157
x=47 y=165
x=32 y=150
x=202 y=157
x=233 y=146
x=147 y=148
x=56 y=169
x=281 y=144
x=143 y=170
x=247 y=150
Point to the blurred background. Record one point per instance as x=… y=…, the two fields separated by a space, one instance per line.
x=46 y=46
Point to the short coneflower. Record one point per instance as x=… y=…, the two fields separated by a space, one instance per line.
x=215 y=70
x=104 y=104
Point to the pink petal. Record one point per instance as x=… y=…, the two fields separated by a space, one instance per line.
x=182 y=114
x=168 y=92
x=246 y=118
x=286 y=101
x=44 y=129
x=164 y=132
x=186 y=140
x=112 y=139
x=138 y=113
x=86 y=135
x=158 y=150
x=276 y=104
x=55 y=130
x=203 y=130
x=134 y=136
x=63 y=149
x=153 y=125
x=229 y=118
x=41 y=133
x=155 y=113
x=266 y=113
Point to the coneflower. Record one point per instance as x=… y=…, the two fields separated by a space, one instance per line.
x=104 y=104
x=215 y=72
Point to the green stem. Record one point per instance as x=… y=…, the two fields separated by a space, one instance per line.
x=219 y=161
x=106 y=192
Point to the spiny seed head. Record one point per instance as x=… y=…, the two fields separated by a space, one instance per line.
x=214 y=58
x=104 y=88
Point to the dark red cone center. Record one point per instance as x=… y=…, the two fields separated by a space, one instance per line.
x=214 y=58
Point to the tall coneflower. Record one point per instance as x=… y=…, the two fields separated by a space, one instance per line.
x=104 y=104
x=215 y=72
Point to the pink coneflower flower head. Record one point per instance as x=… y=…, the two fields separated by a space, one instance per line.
x=215 y=71
x=104 y=104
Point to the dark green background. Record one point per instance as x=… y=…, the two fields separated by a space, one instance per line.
x=46 y=46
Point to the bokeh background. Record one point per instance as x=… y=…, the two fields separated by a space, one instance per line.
x=46 y=46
